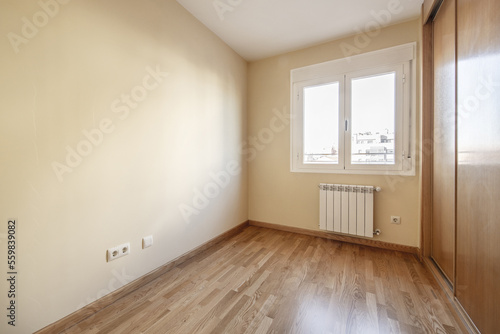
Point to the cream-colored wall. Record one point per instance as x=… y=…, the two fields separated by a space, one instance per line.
x=280 y=197
x=70 y=76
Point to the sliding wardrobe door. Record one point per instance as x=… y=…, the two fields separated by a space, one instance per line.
x=478 y=173
x=443 y=220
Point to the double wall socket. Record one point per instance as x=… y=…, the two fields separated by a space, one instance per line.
x=118 y=251
x=114 y=253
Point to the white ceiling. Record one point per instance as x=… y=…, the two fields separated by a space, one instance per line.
x=257 y=29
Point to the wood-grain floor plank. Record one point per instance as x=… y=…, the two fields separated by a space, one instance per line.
x=267 y=281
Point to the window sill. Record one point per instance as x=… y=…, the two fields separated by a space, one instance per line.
x=355 y=172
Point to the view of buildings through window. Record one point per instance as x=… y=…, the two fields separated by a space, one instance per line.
x=321 y=123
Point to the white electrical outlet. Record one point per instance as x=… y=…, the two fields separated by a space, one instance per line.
x=118 y=251
x=395 y=220
x=147 y=241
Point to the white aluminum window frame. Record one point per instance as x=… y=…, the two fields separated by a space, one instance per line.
x=299 y=119
x=399 y=59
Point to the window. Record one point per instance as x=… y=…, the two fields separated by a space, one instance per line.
x=354 y=115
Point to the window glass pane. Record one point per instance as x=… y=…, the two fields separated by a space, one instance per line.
x=321 y=123
x=373 y=119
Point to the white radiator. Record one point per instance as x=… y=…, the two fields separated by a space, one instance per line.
x=346 y=209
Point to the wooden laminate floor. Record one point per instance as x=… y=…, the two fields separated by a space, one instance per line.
x=267 y=281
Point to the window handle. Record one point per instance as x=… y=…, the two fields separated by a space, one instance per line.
x=346 y=124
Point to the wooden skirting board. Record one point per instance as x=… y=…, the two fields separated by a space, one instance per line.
x=340 y=237
x=109 y=299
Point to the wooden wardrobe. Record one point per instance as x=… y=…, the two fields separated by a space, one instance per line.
x=461 y=155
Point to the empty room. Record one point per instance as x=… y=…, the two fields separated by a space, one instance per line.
x=237 y=166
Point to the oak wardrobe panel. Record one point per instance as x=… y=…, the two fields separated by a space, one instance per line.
x=443 y=220
x=478 y=172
